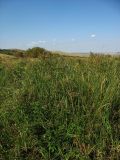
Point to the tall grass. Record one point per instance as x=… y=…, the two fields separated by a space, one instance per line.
x=60 y=108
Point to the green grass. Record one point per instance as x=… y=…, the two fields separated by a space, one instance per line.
x=60 y=108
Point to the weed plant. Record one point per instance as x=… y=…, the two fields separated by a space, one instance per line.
x=60 y=108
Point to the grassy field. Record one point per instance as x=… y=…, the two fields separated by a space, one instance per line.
x=60 y=108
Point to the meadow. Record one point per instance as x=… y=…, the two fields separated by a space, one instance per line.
x=58 y=107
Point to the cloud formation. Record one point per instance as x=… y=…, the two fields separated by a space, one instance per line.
x=37 y=43
x=93 y=35
x=34 y=43
x=73 y=39
x=42 y=41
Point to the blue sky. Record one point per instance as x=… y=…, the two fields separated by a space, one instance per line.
x=66 y=25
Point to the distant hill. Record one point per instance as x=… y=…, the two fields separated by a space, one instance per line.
x=37 y=51
x=10 y=51
x=33 y=52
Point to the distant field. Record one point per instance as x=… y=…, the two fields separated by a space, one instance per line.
x=59 y=107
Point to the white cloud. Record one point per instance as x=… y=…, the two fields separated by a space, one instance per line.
x=42 y=41
x=34 y=43
x=73 y=39
x=93 y=35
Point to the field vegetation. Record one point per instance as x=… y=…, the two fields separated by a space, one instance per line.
x=54 y=107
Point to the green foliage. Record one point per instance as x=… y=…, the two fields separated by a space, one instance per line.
x=36 y=52
x=60 y=108
x=15 y=52
x=32 y=53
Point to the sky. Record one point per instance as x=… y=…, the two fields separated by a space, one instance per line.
x=62 y=25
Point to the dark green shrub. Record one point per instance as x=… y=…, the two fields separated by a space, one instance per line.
x=36 y=52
